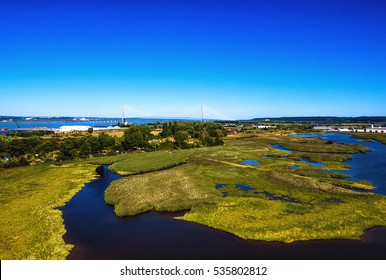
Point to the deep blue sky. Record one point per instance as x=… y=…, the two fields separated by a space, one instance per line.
x=242 y=59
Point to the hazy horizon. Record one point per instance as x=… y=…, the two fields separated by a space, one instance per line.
x=242 y=59
x=91 y=118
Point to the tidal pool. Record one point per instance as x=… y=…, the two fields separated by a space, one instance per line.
x=250 y=162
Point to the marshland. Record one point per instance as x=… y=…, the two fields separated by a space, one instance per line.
x=212 y=184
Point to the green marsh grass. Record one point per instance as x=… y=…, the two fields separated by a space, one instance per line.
x=325 y=207
x=30 y=225
x=381 y=137
x=141 y=162
x=168 y=190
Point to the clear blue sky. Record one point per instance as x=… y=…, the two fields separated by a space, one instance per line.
x=242 y=59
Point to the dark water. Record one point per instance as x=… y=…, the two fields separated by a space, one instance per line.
x=98 y=234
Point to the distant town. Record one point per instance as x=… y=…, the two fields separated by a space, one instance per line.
x=55 y=125
x=372 y=129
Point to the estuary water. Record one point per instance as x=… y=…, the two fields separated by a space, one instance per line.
x=12 y=125
x=98 y=233
x=56 y=124
x=369 y=166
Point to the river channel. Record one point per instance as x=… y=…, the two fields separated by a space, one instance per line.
x=98 y=233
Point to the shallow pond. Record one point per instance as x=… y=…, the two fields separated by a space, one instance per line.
x=250 y=162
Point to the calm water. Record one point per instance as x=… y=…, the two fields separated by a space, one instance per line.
x=98 y=234
x=97 y=123
x=369 y=166
x=13 y=125
x=281 y=148
x=250 y=162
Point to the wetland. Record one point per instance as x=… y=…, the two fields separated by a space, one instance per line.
x=208 y=202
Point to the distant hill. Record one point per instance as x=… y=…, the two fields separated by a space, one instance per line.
x=324 y=120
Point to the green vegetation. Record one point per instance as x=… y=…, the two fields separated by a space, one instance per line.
x=310 y=204
x=381 y=137
x=318 y=146
x=175 y=191
x=31 y=226
x=24 y=148
x=145 y=162
x=287 y=222
x=208 y=134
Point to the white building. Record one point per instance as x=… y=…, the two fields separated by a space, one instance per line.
x=264 y=126
x=378 y=129
x=321 y=127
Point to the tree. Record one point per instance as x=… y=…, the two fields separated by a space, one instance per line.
x=180 y=137
x=90 y=130
x=66 y=151
x=106 y=141
x=3 y=145
x=166 y=130
x=133 y=140
x=174 y=127
x=16 y=147
x=135 y=137
x=23 y=161
x=85 y=149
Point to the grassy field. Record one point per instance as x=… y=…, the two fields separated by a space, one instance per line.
x=270 y=220
x=175 y=191
x=141 y=162
x=278 y=204
x=30 y=225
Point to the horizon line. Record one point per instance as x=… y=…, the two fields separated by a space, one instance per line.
x=191 y=118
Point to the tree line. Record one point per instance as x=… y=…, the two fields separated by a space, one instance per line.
x=19 y=149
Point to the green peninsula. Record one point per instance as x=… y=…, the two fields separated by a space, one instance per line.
x=269 y=201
